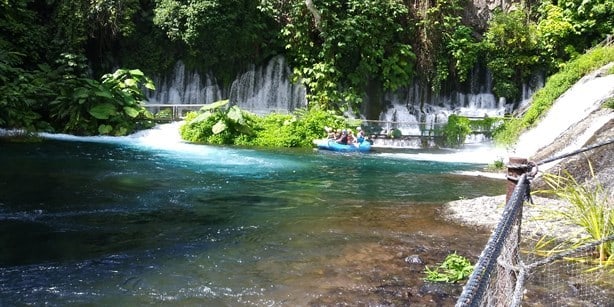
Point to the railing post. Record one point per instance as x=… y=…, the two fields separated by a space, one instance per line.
x=515 y=168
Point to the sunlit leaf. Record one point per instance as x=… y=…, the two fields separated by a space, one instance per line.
x=130 y=82
x=215 y=105
x=137 y=72
x=235 y=115
x=219 y=127
x=201 y=117
x=103 y=111
x=104 y=94
x=130 y=111
x=105 y=129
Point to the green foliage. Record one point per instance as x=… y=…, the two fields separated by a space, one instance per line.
x=555 y=86
x=220 y=35
x=355 y=42
x=590 y=209
x=112 y=106
x=486 y=125
x=18 y=93
x=215 y=124
x=454 y=268
x=165 y=114
x=452 y=49
x=456 y=130
x=497 y=165
x=591 y=20
x=609 y=103
x=511 y=52
x=219 y=124
x=554 y=29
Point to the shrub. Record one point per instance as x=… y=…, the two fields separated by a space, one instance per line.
x=216 y=124
x=454 y=268
x=456 y=130
x=590 y=209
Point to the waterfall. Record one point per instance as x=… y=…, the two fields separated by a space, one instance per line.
x=268 y=89
x=420 y=115
x=183 y=87
x=261 y=90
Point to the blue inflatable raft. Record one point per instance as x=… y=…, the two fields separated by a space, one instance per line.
x=329 y=144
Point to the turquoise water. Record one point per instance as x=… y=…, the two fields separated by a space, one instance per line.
x=124 y=222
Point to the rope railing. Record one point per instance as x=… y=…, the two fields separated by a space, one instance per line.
x=481 y=289
x=575 y=152
x=473 y=291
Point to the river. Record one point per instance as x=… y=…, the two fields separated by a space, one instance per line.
x=147 y=219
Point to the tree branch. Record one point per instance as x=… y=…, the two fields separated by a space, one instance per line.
x=314 y=11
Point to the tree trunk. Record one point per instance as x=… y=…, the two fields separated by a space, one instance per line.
x=314 y=11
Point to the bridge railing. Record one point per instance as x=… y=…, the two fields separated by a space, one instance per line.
x=171 y=112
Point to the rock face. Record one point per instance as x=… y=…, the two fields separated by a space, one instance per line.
x=577 y=120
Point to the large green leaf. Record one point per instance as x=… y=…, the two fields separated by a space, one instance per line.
x=219 y=127
x=215 y=105
x=105 y=129
x=81 y=92
x=150 y=85
x=236 y=115
x=201 y=117
x=103 y=111
x=137 y=72
x=130 y=82
x=132 y=112
x=104 y=93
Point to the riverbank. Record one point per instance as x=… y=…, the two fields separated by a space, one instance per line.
x=537 y=220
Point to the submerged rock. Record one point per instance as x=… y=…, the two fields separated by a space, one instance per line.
x=414 y=259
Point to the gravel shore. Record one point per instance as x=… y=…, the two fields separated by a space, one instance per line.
x=537 y=218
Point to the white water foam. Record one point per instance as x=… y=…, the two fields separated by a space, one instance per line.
x=483 y=154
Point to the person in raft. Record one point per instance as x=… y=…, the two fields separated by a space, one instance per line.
x=351 y=138
x=343 y=139
x=330 y=132
x=360 y=135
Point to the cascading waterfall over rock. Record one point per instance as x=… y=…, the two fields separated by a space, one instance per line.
x=415 y=109
x=267 y=88
x=260 y=90
x=183 y=87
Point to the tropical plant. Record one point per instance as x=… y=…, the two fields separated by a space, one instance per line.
x=111 y=106
x=590 y=208
x=511 y=51
x=448 y=46
x=454 y=268
x=339 y=49
x=216 y=123
x=18 y=91
x=456 y=130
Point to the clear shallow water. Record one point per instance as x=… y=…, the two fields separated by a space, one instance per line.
x=127 y=221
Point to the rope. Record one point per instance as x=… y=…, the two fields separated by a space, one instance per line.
x=581 y=150
x=473 y=291
x=475 y=287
